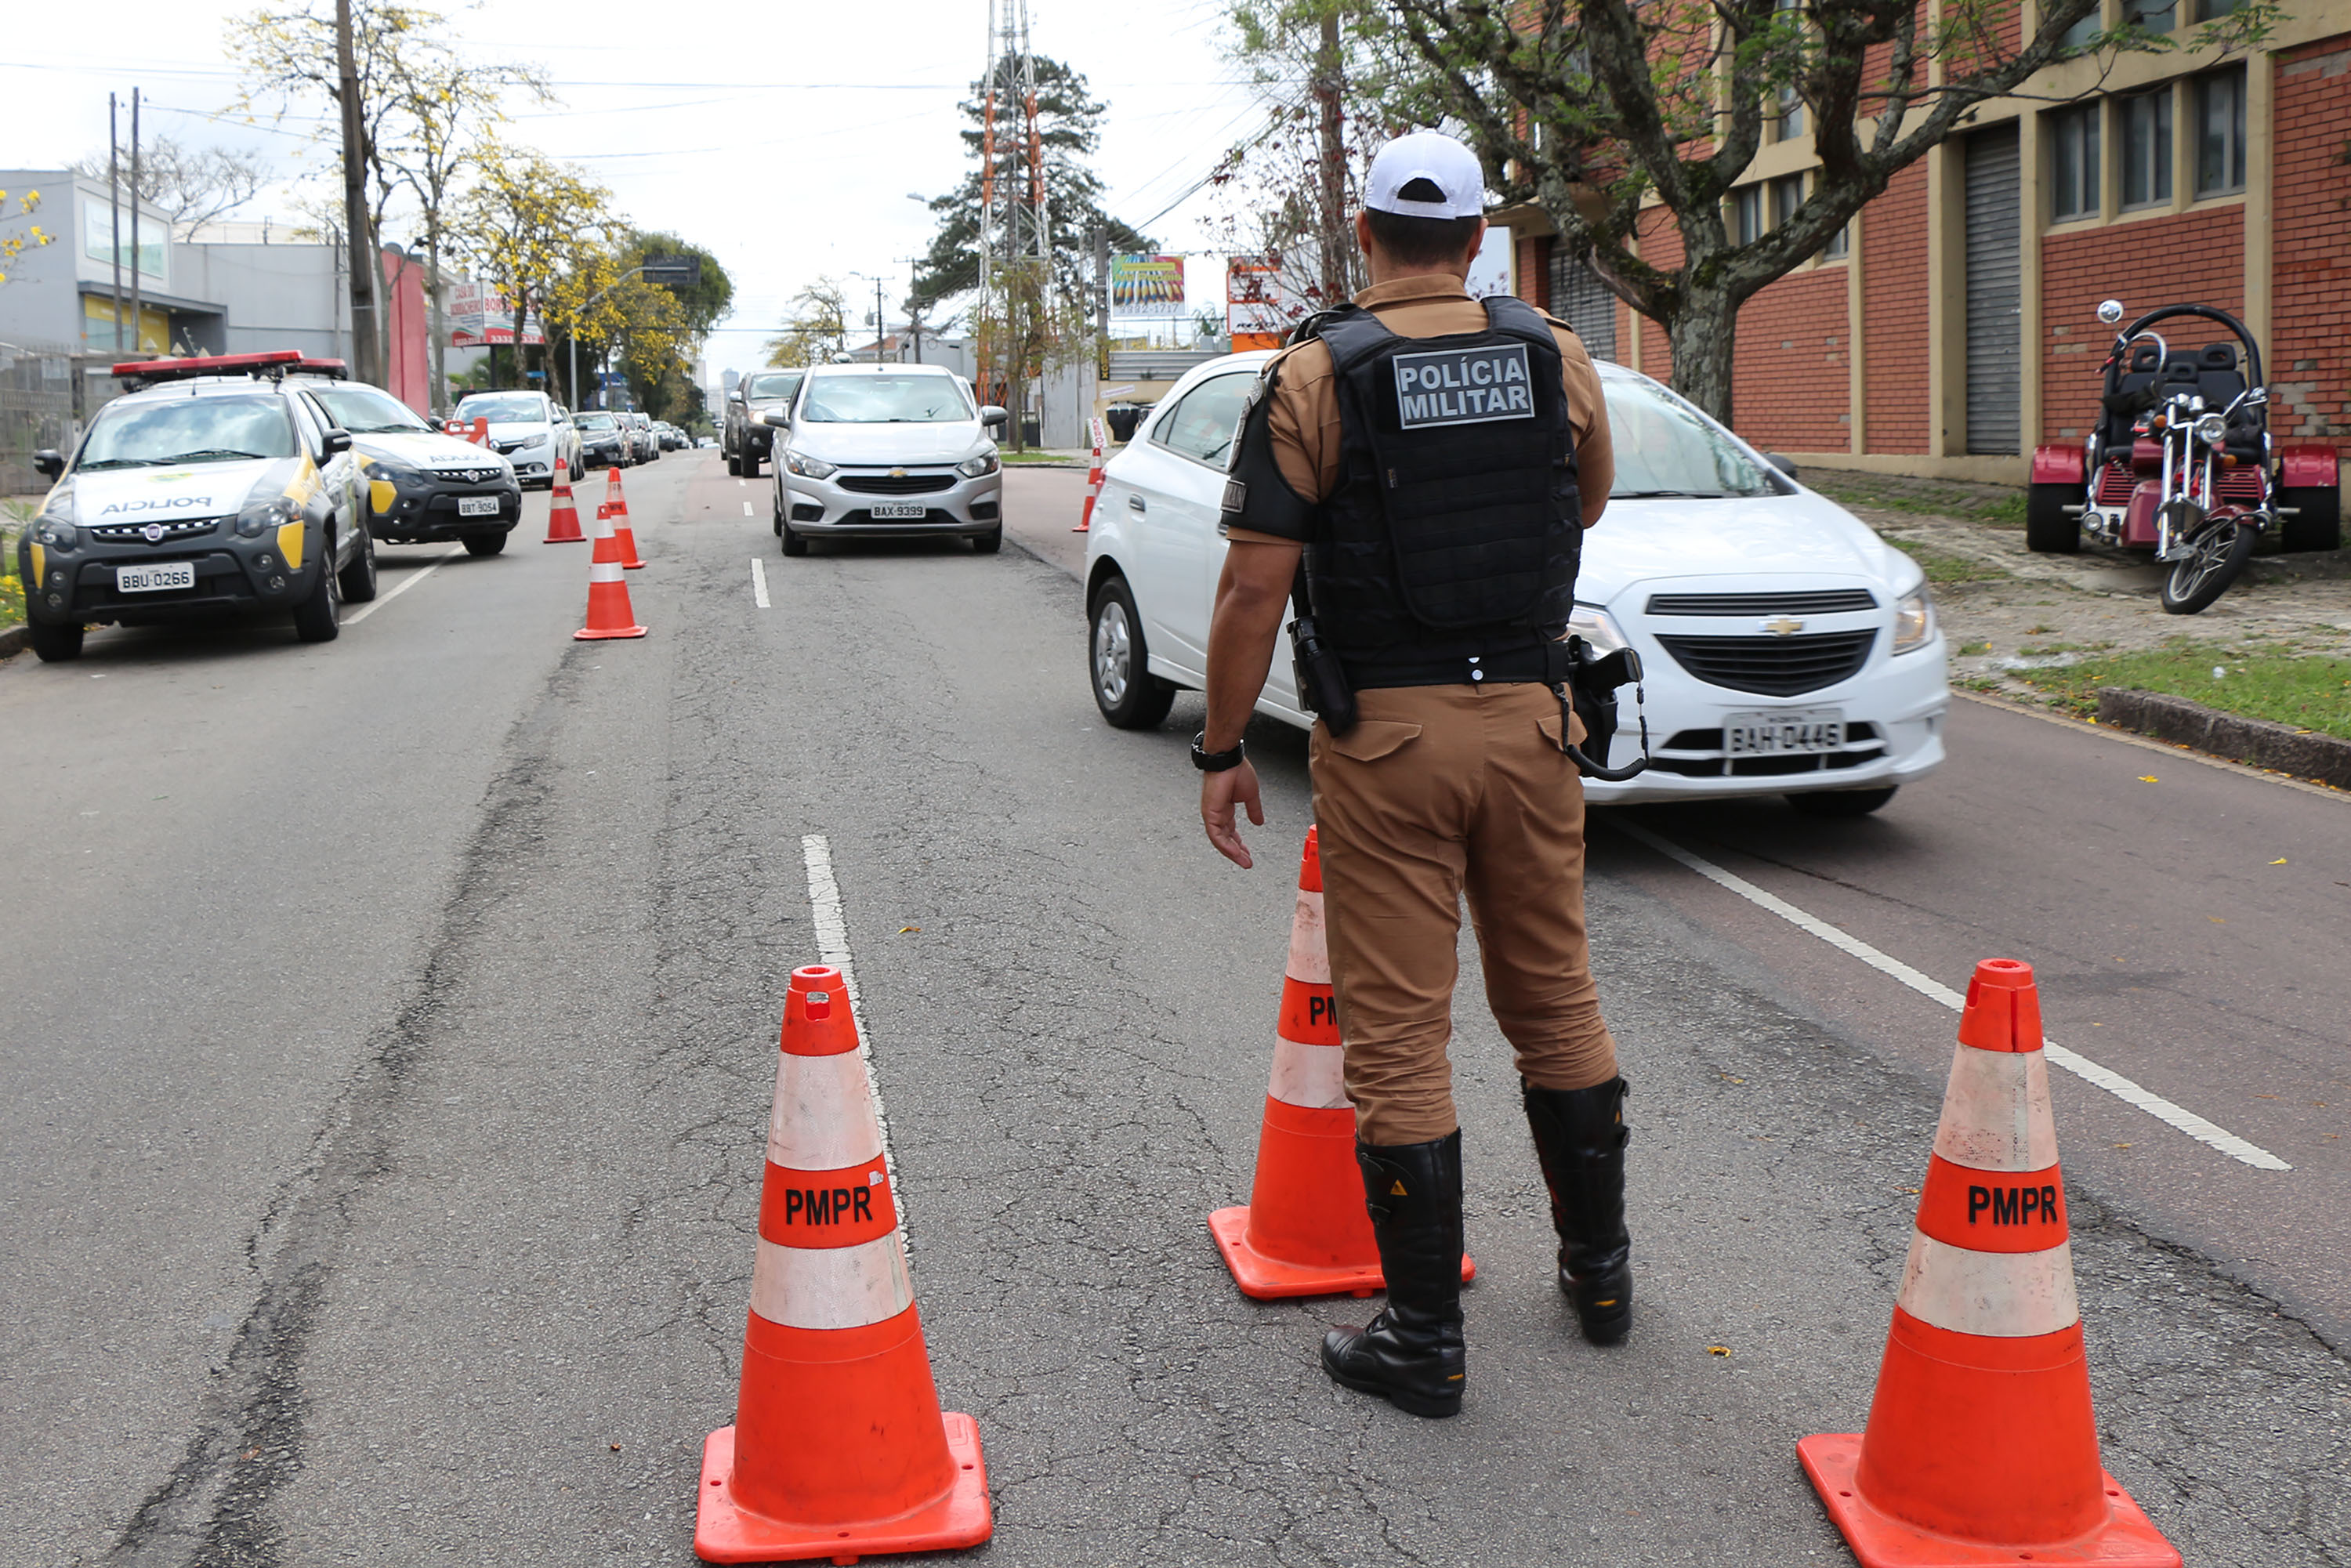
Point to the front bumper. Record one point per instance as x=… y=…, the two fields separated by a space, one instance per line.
x=233 y=575
x=599 y=454
x=532 y=465
x=424 y=509
x=842 y=505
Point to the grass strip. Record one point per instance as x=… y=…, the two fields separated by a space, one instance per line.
x=1943 y=568
x=2301 y=690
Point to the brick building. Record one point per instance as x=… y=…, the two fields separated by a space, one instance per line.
x=1953 y=326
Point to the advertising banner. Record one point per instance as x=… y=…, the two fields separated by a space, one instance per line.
x=477 y=314
x=1255 y=316
x=1146 y=286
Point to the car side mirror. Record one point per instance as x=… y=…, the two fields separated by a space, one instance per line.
x=992 y=415
x=338 y=440
x=50 y=462
x=1785 y=464
x=775 y=419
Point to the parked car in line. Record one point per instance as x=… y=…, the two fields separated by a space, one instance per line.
x=744 y=440
x=672 y=438
x=641 y=428
x=882 y=452
x=530 y=429
x=423 y=486
x=213 y=486
x=1787 y=648
x=604 y=442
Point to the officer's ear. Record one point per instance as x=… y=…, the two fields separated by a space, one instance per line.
x=1364 y=232
x=1477 y=241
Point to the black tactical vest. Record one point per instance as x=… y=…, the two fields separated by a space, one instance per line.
x=1447 y=550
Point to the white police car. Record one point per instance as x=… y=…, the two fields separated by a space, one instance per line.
x=1787 y=648
x=213 y=487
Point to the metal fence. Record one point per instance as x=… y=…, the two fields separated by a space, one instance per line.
x=48 y=392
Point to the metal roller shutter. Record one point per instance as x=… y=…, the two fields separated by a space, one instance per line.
x=1584 y=302
x=1994 y=301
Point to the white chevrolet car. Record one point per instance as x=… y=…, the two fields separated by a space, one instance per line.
x=882 y=451
x=1787 y=649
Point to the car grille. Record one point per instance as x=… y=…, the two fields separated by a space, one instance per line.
x=468 y=475
x=1811 y=601
x=504 y=447
x=1774 y=667
x=896 y=483
x=1699 y=754
x=187 y=528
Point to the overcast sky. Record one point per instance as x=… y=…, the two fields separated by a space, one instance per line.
x=785 y=138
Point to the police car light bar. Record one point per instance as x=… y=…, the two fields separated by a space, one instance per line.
x=336 y=370
x=208 y=365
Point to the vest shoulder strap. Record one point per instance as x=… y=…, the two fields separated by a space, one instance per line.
x=1351 y=332
x=1509 y=313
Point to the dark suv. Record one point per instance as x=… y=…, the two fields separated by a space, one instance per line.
x=745 y=442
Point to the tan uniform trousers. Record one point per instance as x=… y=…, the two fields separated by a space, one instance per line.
x=1438 y=791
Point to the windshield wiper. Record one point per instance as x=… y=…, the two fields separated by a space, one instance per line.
x=1669 y=495
x=212 y=455
x=117 y=463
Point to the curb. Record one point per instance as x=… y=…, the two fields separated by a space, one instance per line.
x=2303 y=753
x=14 y=639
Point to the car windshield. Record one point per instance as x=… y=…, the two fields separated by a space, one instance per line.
x=595 y=422
x=781 y=384
x=884 y=400
x=1664 y=447
x=364 y=411
x=188 y=430
x=517 y=408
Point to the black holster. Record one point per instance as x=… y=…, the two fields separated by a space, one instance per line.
x=1587 y=691
x=1322 y=686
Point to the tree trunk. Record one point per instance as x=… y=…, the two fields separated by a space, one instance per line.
x=1329 y=86
x=438 y=393
x=367 y=265
x=1703 y=338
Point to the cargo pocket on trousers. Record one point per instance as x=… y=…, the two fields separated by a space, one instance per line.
x=1371 y=739
x=1549 y=725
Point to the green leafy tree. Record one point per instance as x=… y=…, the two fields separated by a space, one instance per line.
x=816 y=329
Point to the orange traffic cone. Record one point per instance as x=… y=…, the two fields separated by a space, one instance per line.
x=839 y=1448
x=1094 y=481
x=562 y=516
x=618 y=505
x=610 y=613
x=1303 y=1231
x=1981 y=1446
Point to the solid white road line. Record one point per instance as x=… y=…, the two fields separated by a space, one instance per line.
x=747 y=508
x=383 y=598
x=2082 y=1067
x=760 y=583
x=833 y=948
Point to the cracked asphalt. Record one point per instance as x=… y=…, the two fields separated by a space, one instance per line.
x=392 y=1036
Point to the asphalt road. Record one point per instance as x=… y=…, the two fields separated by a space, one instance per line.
x=393 y=1035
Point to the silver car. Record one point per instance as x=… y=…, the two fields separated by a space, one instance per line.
x=883 y=452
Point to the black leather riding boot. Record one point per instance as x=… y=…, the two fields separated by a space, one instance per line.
x=1580 y=1138
x=1411 y=1353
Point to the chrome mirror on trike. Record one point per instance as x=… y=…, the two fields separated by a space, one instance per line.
x=2110 y=311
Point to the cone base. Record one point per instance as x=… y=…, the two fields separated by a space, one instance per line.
x=726 y=1533
x=586 y=635
x=1265 y=1278
x=2128 y=1539
x=565 y=539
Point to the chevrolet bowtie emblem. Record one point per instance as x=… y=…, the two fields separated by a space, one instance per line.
x=1784 y=626
x=897 y=473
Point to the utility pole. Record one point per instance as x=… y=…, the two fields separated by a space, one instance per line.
x=366 y=263
x=1102 y=297
x=987 y=211
x=114 y=215
x=878 y=322
x=136 y=345
x=1329 y=87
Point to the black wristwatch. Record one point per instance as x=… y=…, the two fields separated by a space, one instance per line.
x=1218 y=761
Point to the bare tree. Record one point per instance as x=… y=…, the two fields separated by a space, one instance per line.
x=190 y=185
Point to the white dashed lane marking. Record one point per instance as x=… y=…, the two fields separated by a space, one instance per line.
x=747 y=508
x=2082 y=1067
x=758 y=583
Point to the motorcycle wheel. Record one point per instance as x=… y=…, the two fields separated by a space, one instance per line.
x=2213 y=560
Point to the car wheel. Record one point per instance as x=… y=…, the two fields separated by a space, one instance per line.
x=2049 y=529
x=2317 y=523
x=1118 y=660
x=484 y=544
x=795 y=541
x=735 y=466
x=357 y=580
x=319 y=619
x=578 y=470
x=56 y=645
x=989 y=542
x=776 y=509
x=750 y=465
x=1841 y=802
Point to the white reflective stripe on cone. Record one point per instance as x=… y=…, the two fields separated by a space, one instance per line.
x=1310 y=953
x=831 y=1286
x=1996 y=1113
x=1311 y=1077
x=605 y=572
x=2006 y=1295
x=823 y=1119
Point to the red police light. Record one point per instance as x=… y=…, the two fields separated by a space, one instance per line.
x=336 y=368
x=208 y=365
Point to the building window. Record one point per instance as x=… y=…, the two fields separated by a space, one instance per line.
x=2221 y=132
x=2147 y=148
x=1840 y=245
x=1747 y=214
x=1787 y=195
x=2214 y=10
x=1790 y=123
x=2155 y=16
x=2079 y=34
x=2073 y=164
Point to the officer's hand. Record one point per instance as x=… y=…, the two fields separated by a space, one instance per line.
x=1218 y=794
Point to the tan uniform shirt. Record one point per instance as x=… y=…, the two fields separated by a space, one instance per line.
x=1305 y=419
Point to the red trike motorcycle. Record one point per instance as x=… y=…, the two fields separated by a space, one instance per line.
x=2181 y=462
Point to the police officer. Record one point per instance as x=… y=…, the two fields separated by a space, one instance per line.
x=1435 y=459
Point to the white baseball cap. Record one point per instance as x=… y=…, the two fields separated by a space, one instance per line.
x=1433 y=156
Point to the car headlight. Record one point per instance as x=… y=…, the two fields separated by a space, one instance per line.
x=271 y=515
x=58 y=535
x=810 y=467
x=1914 y=620
x=540 y=440
x=972 y=467
x=1596 y=626
x=2212 y=429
